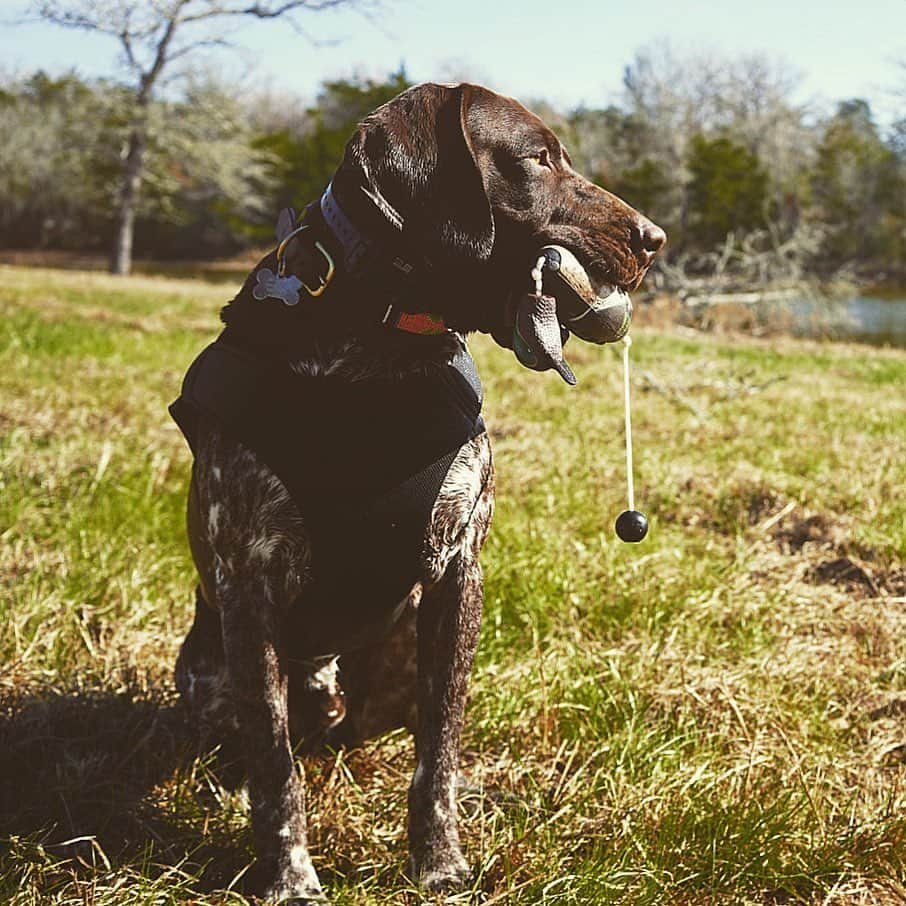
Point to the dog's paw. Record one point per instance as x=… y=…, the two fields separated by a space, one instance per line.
x=440 y=872
x=300 y=889
x=300 y=901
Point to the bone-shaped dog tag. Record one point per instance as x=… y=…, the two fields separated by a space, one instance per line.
x=269 y=285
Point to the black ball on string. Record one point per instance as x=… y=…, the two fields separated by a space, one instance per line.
x=631 y=525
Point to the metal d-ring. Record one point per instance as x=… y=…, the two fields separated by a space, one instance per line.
x=281 y=262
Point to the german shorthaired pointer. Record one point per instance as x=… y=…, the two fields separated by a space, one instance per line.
x=342 y=486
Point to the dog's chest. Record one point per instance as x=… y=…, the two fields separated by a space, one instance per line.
x=331 y=495
x=335 y=443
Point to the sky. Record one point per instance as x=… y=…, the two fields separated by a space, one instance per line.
x=569 y=54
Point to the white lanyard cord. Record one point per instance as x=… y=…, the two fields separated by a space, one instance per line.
x=627 y=342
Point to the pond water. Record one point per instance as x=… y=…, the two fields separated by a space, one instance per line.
x=866 y=319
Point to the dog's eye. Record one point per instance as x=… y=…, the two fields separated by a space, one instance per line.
x=542 y=158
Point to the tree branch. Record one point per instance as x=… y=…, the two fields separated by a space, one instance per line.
x=126 y=41
x=185 y=49
x=264 y=10
x=160 y=58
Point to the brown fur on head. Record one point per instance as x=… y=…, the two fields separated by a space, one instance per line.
x=480 y=183
x=416 y=152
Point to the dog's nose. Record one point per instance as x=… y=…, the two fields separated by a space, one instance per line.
x=647 y=238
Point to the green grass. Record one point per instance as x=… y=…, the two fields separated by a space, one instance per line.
x=712 y=716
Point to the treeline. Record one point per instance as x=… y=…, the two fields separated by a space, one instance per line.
x=745 y=181
x=219 y=162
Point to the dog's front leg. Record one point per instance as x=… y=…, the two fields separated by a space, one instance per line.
x=448 y=622
x=259 y=683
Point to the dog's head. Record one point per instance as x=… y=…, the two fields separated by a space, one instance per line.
x=481 y=184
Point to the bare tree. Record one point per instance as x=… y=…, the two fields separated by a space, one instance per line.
x=674 y=96
x=154 y=34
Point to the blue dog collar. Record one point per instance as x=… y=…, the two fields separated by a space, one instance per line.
x=357 y=247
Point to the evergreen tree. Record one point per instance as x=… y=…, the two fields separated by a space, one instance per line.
x=727 y=193
x=859 y=189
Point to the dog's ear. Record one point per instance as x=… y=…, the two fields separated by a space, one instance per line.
x=415 y=153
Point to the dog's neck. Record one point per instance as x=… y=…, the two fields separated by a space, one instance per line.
x=343 y=276
x=352 y=242
x=334 y=279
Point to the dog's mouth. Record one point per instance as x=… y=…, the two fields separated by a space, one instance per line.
x=594 y=309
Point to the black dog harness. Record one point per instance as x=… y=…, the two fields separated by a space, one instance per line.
x=338 y=445
x=364 y=461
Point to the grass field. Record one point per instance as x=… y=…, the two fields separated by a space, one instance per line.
x=716 y=715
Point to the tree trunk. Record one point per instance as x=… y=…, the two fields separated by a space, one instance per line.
x=121 y=256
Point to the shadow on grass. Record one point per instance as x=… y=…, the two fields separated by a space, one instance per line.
x=108 y=776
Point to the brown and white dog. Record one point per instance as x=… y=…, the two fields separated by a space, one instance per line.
x=311 y=635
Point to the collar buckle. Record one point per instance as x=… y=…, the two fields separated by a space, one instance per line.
x=323 y=281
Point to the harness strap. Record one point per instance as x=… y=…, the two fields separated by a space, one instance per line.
x=223 y=382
